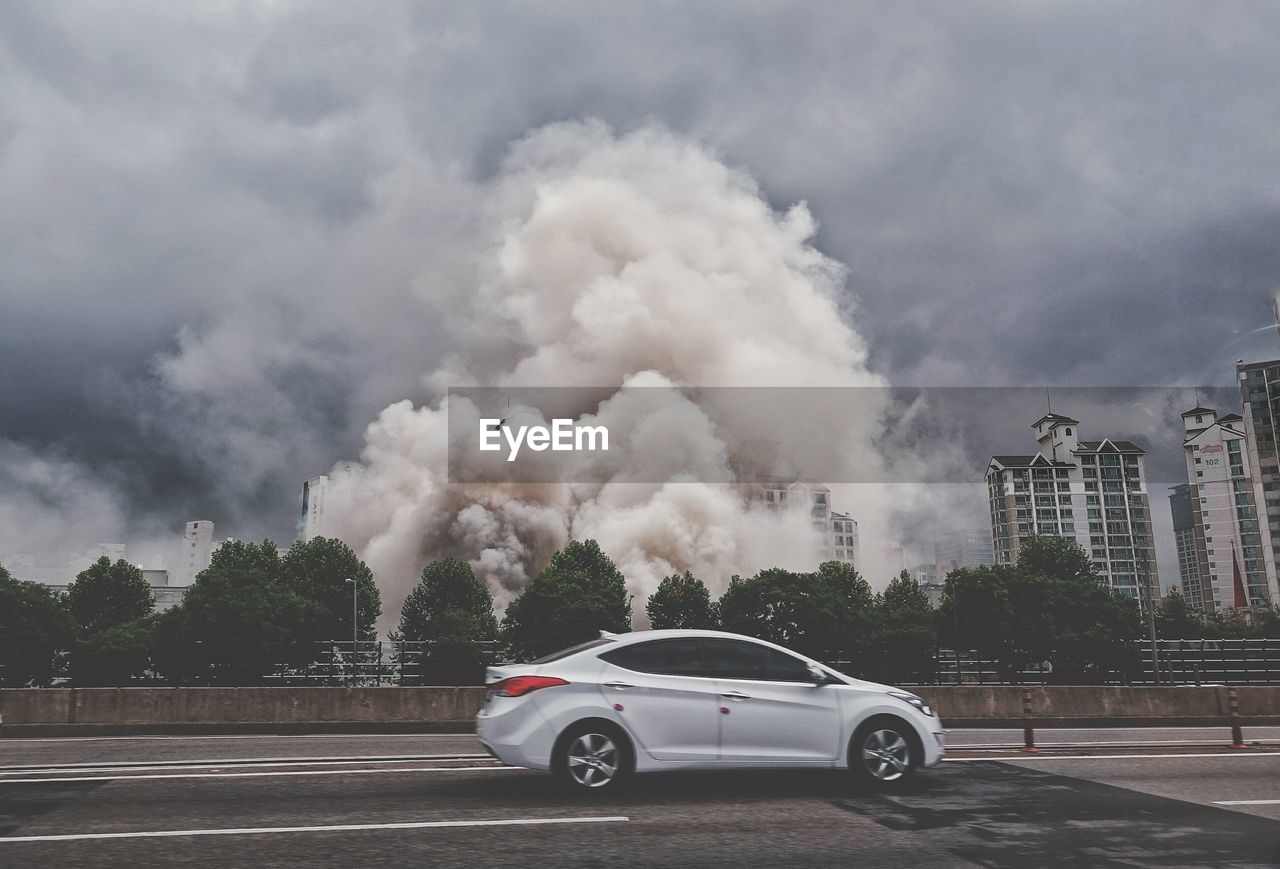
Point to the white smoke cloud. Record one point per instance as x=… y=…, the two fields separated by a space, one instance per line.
x=634 y=260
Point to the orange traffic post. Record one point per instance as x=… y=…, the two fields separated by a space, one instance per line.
x=1028 y=730
x=1237 y=735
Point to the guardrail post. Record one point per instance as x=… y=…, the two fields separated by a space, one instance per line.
x=1237 y=735
x=1028 y=729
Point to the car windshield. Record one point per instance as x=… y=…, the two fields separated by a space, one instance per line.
x=564 y=653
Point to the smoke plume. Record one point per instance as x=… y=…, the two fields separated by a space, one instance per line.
x=620 y=261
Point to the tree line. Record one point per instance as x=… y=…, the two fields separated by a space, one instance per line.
x=253 y=610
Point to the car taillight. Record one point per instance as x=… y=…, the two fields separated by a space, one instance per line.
x=518 y=686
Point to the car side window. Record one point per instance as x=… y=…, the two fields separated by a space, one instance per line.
x=787 y=668
x=673 y=657
x=734 y=659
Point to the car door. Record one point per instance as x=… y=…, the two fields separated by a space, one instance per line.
x=771 y=711
x=659 y=691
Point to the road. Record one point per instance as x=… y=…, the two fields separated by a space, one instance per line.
x=414 y=800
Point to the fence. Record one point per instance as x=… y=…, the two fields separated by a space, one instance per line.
x=1182 y=662
x=1226 y=662
x=372 y=662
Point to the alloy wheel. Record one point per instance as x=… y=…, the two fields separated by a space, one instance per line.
x=593 y=760
x=886 y=755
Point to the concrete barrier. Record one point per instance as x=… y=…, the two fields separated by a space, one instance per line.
x=1101 y=705
x=107 y=711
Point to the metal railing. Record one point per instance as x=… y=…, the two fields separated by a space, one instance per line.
x=372 y=662
x=1181 y=662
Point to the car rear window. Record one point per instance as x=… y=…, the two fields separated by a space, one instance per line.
x=572 y=650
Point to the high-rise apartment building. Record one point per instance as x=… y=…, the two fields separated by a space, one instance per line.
x=197 y=550
x=1091 y=491
x=1184 y=535
x=313 y=498
x=1235 y=565
x=965 y=549
x=1259 y=384
x=837 y=533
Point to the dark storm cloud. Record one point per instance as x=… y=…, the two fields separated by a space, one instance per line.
x=230 y=235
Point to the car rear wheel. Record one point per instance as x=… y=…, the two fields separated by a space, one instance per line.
x=593 y=757
x=881 y=752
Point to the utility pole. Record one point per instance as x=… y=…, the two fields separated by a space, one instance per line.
x=1151 y=624
x=355 y=626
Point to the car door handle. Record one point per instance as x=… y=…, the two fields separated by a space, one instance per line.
x=736 y=695
x=621 y=686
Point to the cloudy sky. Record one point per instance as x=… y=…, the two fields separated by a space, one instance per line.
x=231 y=233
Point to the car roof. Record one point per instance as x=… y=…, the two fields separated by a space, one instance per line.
x=666 y=633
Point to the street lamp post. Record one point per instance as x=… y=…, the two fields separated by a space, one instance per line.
x=355 y=626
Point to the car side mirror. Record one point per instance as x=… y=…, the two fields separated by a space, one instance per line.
x=817 y=674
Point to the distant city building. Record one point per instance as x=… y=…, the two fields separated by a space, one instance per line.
x=313 y=498
x=933 y=590
x=1091 y=491
x=112 y=551
x=166 y=595
x=1184 y=535
x=1234 y=567
x=23 y=566
x=842 y=540
x=197 y=550
x=837 y=533
x=964 y=549
x=893 y=557
x=923 y=573
x=1259 y=384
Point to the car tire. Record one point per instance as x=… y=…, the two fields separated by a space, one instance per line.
x=883 y=752
x=594 y=757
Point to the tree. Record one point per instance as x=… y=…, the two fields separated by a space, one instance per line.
x=34 y=627
x=1266 y=622
x=107 y=595
x=904 y=631
x=579 y=593
x=974 y=612
x=237 y=621
x=114 y=655
x=110 y=604
x=318 y=570
x=1048 y=607
x=453 y=611
x=1178 y=620
x=681 y=602
x=824 y=614
x=1227 y=624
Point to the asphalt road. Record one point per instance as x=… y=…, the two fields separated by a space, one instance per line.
x=65 y=750
x=246 y=808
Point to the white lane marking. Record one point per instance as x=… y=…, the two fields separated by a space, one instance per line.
x=1031 y=758
x=290 y=736
x=208 y=763
x=1246 y=802
x=993 y=746
x=1018 y=728
x=27 y=781
x=108 y=771
x=253 y=831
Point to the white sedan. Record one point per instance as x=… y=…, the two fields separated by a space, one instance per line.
x=679 y=699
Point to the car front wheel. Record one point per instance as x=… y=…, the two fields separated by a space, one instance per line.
x=880 y=753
